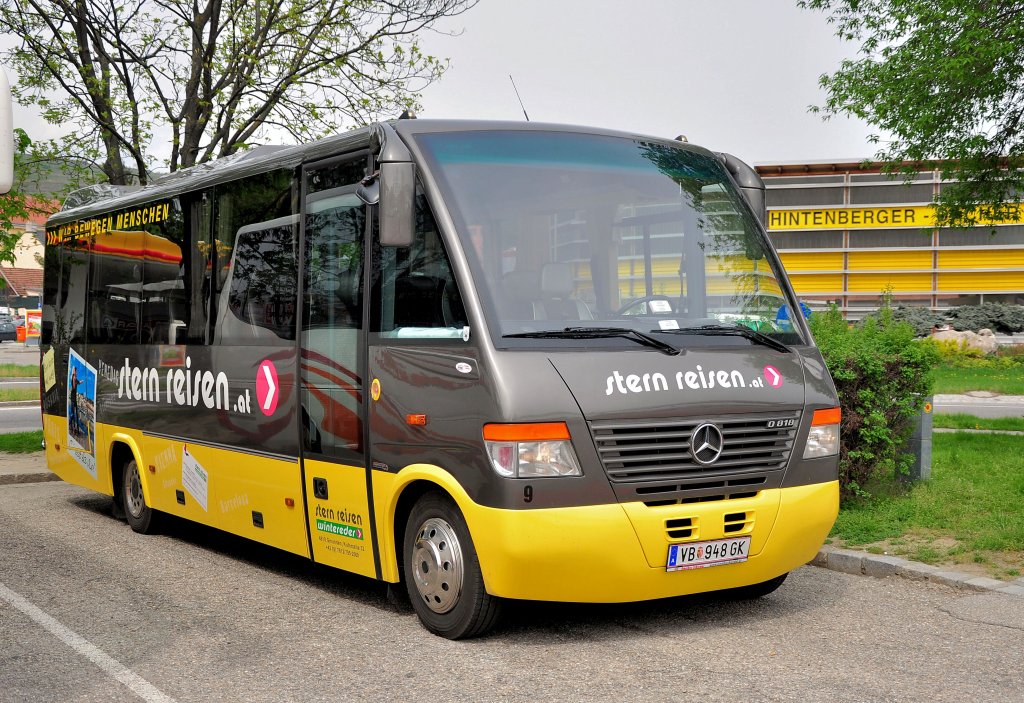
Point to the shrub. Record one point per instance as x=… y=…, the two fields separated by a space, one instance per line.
x=955 y=353
x=920 y=318
x=881 y=374
x=997 y=317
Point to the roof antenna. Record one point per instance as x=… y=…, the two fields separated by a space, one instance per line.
x=519 y=98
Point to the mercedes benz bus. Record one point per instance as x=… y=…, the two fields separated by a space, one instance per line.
x=488 y=361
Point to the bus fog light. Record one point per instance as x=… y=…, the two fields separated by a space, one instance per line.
x=534 y=459
x=822 y=440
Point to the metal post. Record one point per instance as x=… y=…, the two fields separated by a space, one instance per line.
x=920 y=443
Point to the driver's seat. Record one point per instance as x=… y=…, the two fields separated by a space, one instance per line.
x=556 y=287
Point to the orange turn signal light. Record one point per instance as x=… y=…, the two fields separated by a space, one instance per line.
x=290 y=502
x=526 y=432
x=417 y=420
x=827 y=416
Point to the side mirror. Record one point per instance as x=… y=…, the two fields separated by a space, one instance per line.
x=397 y=209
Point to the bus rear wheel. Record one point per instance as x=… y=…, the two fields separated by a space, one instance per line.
x=142 y=518
x=442 y=572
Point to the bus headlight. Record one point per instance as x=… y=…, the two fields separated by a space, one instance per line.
x=531 y=450
x=823 y=439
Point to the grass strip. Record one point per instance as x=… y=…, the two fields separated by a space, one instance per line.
x=18 y=371
x=1008 y=380
x=969 y=512
x=13 y=394
x=21 y=442
x=961 y=421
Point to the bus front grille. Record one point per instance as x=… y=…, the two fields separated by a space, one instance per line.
x=650 y=460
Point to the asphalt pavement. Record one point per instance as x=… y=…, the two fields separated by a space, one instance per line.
x=90 y=611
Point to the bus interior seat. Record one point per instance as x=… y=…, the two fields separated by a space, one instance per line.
x=556 y=287
x=521 y=290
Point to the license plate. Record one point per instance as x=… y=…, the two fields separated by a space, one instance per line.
x=700 y=555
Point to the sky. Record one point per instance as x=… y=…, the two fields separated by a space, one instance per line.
x=731 y=75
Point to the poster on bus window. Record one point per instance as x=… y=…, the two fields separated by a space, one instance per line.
x=82 y=412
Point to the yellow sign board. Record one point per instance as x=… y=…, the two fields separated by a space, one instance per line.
x=853 y=217
x=886 y=217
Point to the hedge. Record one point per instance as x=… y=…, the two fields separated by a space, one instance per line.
x=881 y=374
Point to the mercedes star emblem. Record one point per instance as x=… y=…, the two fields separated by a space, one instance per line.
x=706 y=444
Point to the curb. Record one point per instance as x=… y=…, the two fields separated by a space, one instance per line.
x=19 y=404
x=850 y=561
x=32 y=477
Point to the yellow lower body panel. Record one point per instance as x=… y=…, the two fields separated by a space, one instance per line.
x=80 y=463
x=252 y=496
x=597 y=553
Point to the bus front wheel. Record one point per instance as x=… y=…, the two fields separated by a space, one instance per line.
x=141 y=517
x=442 y=572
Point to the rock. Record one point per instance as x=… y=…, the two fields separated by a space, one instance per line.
x=982 y=340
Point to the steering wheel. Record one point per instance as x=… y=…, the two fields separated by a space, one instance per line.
x=627 y=309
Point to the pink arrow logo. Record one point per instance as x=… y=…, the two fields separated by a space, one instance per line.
x=772 y=375
x=266 y=387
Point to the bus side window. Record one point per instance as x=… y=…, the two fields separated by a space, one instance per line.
x=256 y=261
x=165 y=278
x=69 y=325
x=416 y=292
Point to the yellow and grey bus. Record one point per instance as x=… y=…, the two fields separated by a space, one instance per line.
x=490 y=361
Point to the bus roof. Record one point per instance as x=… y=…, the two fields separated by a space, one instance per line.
x=263 y=159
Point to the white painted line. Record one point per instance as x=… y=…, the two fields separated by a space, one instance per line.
x=142 y=688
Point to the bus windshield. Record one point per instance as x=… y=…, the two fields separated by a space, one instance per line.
x=569 y=230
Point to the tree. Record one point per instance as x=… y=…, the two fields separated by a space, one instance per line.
x=216 y=74
x=944 y=78
x=42 y=176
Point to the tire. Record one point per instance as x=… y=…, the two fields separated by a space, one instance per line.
x=142 y=518
x=442 y=572
x=755 y=590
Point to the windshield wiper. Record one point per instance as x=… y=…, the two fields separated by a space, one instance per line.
x=600 y=333
x=737 y=331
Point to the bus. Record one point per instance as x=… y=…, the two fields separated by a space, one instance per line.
x=488 y=361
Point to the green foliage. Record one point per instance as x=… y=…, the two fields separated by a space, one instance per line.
x=881 y=374
x=38 y=169
x=942 y=80
x=921 y=319
x=1007 y=319
x=955 y=353
x=215 y=74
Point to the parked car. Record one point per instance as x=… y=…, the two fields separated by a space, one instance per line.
x=8 y=332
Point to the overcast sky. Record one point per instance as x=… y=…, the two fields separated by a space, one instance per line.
x=732 y=75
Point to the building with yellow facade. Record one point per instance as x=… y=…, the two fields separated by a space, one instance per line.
x=846 y=234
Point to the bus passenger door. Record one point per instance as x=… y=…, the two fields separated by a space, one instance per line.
x=332 y=367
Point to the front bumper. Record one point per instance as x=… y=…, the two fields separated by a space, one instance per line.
x=616 y=553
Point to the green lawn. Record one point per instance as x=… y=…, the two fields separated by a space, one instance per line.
x=21 y=442
x=18 y=371
x=11 y=394
x=960 y=421
x=1008 y=380
x=968 y=513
